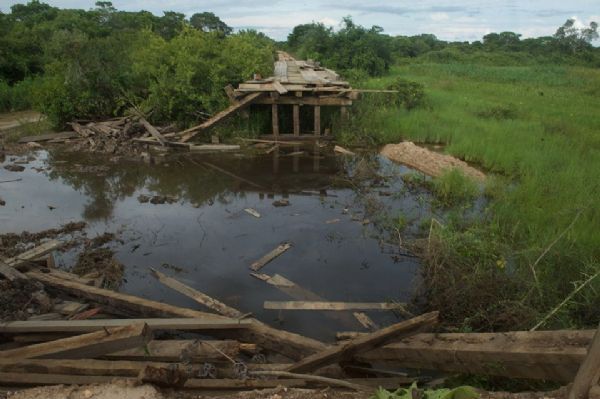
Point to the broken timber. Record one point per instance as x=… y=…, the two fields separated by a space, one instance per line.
x=589 y=371
x=259 y=264
x=317 y=305
x=347 y=350
x=32 y=254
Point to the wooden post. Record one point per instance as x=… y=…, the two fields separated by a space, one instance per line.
x=296 y=108
x=275 y=120
x=317 y=120
x=587 y=375
x=344 y=114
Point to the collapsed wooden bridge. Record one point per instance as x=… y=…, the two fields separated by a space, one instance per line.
x=294 y=83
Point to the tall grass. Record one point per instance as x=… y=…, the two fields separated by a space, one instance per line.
x=538 y=127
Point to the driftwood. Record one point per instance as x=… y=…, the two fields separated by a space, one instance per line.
x=255 y=266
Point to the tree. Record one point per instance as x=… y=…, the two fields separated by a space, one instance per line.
x=170 y=24
x=209 y=22
x=574 y=39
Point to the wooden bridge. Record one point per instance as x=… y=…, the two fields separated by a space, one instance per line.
x=294 y=83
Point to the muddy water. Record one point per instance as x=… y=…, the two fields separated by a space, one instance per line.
x=205 y=238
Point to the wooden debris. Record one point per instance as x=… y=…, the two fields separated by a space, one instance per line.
x=69 y=308
x=163 y=376
x=589 y=371
x=255 y=266
x=83 y=346
x=325 y=380
x=207 y=148
x=365 y=343
x=80 y=326
x=153 y=131
x=252 y=212
x=177 y=350
x=198 y=296
x=10 y=273
x=335 y=306
x=48 y=137
x=34 y=253
x=365 y=321
x=342 y=150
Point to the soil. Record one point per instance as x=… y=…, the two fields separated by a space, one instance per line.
x=100 y=263
x=15 y=119
x=12 y=244
x=116 y=390
x=20 y=300
x=429 y=162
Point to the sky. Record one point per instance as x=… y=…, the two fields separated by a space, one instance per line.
x=463 y=20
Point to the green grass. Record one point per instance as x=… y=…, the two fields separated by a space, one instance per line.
x=538 y=129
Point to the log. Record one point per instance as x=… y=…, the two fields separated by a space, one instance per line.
x=365 y=343
x=587 y=375
x=152 y=130
x=82 y=326
x=83 y=346
x=197 y=296
x=545 y=355
x=335 y=306
x=257 y=265
x=137 y=305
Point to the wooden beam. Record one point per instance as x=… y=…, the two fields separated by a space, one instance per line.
x=317 y=120
x=242 y=103
x=275 y=120
x=546 y=355
x=323 y=101
x=136 y=305
x=335 y=306
x=47 y=137
x=365 y=343
x=153 y=131
x=81 y=326
x=587 y=375
x=197 y=296
x=34 y=253
x=10 y=273
x=259 y=264
x=296 y=119
x=84 y=346
x=279 y=87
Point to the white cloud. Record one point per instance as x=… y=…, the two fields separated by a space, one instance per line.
x=329 y=21
x=439 y=16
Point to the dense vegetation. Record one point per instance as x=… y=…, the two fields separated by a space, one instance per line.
x=524 y=109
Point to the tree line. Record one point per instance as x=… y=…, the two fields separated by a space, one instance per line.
x=97 y=63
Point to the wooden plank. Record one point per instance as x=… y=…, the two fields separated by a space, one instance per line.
x=280 y=71
x=47 y=137
x=83 y=346
x=286 y=100
x=219 y=117
x=10 y=273
x=214 y=148
x=274 y=120
x=34 y=253
x=153 y=131
x=317 y=120
x=365 y=343
x=546 y=355
x=152 y=141
x=334 y=306
x=136 y=305
x=292 y=345
x=215 y=322
x=197 y=296
x=587 y=375
x=259 y=264
x=279 y=87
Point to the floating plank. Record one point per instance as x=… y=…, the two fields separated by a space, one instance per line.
x=10 y=273
x=136 y=305
x=259 y=264
x=335 y=306
x=83 y=346
x=546 y=355
x=587 y=375
x=34 y=253
x=215 y=322
x=48 y=137
x=190 y=133
x=153 y=131
x=365 y=343
x=197 y=296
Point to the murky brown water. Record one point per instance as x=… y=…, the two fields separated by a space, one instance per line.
x=207 y=233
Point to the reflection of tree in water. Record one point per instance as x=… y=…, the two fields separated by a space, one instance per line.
x=106 y=182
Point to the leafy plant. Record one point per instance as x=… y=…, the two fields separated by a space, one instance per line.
x=410 y=94
x=454 y=188
x=463 y=392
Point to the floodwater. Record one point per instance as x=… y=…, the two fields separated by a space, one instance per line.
x=335 y=221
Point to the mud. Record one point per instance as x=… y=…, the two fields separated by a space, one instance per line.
x=427 y=161
x=20 y=300
x=100 y=264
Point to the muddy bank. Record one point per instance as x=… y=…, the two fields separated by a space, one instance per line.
x=427 y=161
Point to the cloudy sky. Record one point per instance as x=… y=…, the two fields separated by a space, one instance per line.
x=447 y=19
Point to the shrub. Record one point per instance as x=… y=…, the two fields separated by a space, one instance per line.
x=499 y=112
x=454 y=188
x=410 y=94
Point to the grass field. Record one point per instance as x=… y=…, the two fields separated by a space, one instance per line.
x=536 y=129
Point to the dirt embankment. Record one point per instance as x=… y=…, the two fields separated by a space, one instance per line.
x=429 y=162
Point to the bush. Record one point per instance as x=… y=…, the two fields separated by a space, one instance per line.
x=454 y=188
x=18 y=96
x=410 y=94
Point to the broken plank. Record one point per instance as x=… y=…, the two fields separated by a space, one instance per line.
x=188 y=134
x=47 y=137
x=83 y=346
x=80 y=326
x=198 y=296
x=365 y=321
x=255 y=266
x=587 y=375
x=545 y=355
x=136 y=305
x=279 y=87
x=153 y=131
x=335 y=306
x=252 y=212
x=10 y=273
x=364 y=343
x=34 y=253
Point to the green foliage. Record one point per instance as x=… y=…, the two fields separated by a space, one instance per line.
x=209 y=22
x=17 y=97
x=499 y=112
x=454 y=188
x=410 y=94
x=463 y=392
